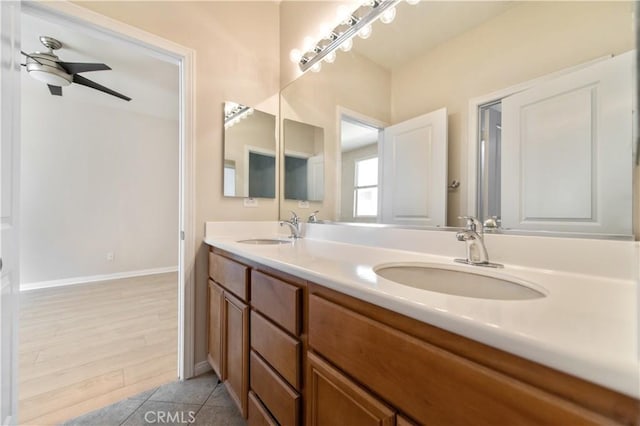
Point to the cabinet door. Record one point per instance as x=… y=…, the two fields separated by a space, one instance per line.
x=236 y=350
x=214 y=344
x=333 y=399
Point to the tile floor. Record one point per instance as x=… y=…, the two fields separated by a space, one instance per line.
x=201 y=401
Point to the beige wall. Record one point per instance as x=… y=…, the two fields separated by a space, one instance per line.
x=237 y=57
x=302 y=138
x=351 y=82
x=483 y=60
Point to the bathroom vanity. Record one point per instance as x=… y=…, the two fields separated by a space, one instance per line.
x=295 y=343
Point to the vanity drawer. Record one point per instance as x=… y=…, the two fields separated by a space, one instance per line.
x=426 y=382
x=279 y=349
x=258 y=414
x=277 y=300
x=229 y=274
x=281 y=401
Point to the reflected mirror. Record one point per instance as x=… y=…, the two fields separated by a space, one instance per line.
x=249 y=152
x=303 y=161
x=515 y=98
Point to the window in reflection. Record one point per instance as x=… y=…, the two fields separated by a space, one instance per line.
x=366 y=188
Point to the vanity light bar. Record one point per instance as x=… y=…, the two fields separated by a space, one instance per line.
x=235 y=114
x=359 y=18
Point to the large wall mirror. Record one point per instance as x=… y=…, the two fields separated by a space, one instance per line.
x=519 y=110
x=249 y=152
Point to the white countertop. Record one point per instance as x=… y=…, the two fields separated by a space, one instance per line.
x=586 y=325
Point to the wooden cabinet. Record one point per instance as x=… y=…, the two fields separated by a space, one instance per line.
x=258 y=414
x=279 y=349
x=335 y=400
x=214 y=312
x=277 y=346
x=236 y=350
x=278 y=397
x=292 y=352
x=424 y=381
x=228 y=326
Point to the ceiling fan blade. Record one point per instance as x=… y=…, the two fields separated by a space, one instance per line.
x=86 y=82
x=55 y=90
x=76 y=67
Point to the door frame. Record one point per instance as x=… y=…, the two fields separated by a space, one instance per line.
x=184 y=57
x=343 y=113
x=9 y=225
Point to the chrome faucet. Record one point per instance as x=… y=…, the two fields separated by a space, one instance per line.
x=293 y=224
x=473 y=236
x=313 y=217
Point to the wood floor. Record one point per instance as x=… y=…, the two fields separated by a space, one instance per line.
x=85 y=346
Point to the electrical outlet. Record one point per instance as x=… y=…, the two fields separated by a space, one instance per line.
x=110 y=256
x=250 y=202
x=303 y=204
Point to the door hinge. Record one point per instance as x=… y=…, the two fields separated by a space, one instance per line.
x=182 y=235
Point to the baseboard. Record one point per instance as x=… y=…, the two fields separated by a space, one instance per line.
x=201 y=368
x=94 y=278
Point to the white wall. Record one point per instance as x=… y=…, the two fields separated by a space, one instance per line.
x=95 y=179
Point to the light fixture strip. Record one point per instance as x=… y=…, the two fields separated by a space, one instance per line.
x=306 y=63
x=235 y=113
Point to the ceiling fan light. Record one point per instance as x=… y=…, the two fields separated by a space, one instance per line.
x=49 y=78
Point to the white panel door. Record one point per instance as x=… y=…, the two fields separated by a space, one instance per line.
x=414 y=171
x=567 y=152
x=315 y=178
x=9 y=172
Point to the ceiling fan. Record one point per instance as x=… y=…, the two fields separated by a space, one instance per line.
x=48 y=68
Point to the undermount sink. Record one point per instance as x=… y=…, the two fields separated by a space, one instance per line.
x=263 y=241
x=457 y=282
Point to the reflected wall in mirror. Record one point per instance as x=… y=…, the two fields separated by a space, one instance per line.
x=450 y=54
x=303 y=161
x=249 y=152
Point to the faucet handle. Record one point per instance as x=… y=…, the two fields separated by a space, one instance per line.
x=294 y=217
x=313 y=217
x=492 y=223
x=473 y=224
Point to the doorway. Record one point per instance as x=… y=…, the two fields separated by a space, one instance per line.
x=75 y=16
x=359 y=171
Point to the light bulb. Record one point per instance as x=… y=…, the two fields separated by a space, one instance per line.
x=413 y=2
x=347 y=45
x=316 y=67
x=343 y=13
x=295 y=55
x=325 y=31
x=365 y=31
x=331 y=56
x=308 y=44
x=388 y=15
